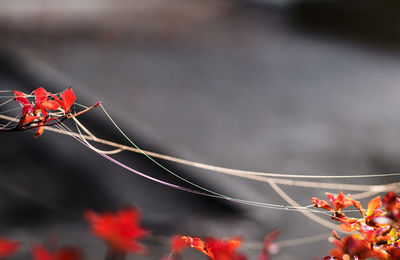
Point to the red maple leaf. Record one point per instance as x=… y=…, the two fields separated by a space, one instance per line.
x=67 y=99
x=119 y=230
x=26 y=106
x=8 y=247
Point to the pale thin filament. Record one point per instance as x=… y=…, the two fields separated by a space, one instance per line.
x=309 y=215
x=10 y=110
x=9 y=122
x=83 y=138
x=5 y=102
x=246 y=202
x=375 y=188
x=223 y=169
x=308 y=184
x=93 y=137
x=289 y=243
x=78 y=123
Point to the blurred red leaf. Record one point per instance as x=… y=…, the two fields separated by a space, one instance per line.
x=178 y=244
x=8 y=248
x=39 y=252
x=119 y=230
x=216 y=249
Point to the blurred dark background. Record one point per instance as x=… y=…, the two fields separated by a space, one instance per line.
x=280 y=86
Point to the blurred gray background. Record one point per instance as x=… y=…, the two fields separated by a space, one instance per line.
x=307 y=87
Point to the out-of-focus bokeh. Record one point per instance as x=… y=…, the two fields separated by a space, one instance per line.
x=301 y=87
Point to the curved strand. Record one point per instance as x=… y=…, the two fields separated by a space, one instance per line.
x=309 y=215
x=297 y=183
x=229 y=170
x=246 y=202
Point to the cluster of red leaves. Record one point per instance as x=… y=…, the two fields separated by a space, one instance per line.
x=218 y=249
x=377 y=231
x=121 y=231
x=36 y=114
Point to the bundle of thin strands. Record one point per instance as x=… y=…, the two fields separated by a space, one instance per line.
x=10 y=113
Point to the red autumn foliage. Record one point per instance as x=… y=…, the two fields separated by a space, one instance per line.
x=43 y=104
x=8 y=248
x=353 y=246
x=222 y=249
x=120 y=230
x=66 y=101
x=36 y=114
x=216 y=249
x=391 y=203
x=377 y=230
x=178 y=244
x=338 y=202
x=27 y=107
x=39 y=252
